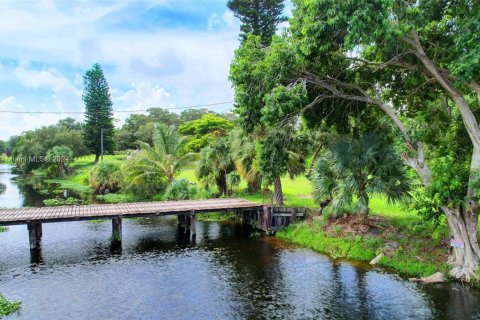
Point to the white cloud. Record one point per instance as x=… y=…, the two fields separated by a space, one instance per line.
x=159 y=66
x=64 y=94
x=22 y=122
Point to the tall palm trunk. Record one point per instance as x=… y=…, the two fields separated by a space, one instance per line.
x=277 y=186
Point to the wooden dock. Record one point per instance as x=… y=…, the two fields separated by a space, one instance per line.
x=265 y=218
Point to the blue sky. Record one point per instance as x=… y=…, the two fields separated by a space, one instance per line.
x=158 y=53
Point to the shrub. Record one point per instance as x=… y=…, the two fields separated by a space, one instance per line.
x=106 y=177
x=140 y=181
x=181 y=190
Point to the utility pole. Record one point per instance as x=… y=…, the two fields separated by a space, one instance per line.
x=101 y=144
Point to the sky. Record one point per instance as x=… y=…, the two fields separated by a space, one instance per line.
x=157 y=53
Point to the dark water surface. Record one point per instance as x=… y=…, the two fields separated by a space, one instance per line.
x=226 y=274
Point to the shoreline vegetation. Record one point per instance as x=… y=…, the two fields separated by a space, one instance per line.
x=419 y=247
x=8 y=307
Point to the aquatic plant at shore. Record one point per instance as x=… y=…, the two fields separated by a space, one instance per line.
x=8 y=307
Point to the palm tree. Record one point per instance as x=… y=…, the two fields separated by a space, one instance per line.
x=358 y=168
x=215 y=164
x=244 y=151
x=165 y=158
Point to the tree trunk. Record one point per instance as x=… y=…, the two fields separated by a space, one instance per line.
x=222 y=184
x=466 y=252
x=97 y=156
x=277 y=185
x=61 y=166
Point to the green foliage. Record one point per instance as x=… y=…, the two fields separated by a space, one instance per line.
x=181 y=190
x=203 y=131
x=358 y=168
x=215 y=164
x=71 y=185
x=116 y=198
x=106 y=175
x=3 y=145
x=140 y=127
x=31 y=147
x=60 y=157
x=61 y=202
x=149 y=171
x=8 y=307
x=281 y=153
x=255 y=71
x=244 y=153
x=98 y=111
x=233 y=179
x=3 y=229
x=142 y=178
x=448 y=187
x=259 y=18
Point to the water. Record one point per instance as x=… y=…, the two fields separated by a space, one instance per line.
x=227 y=274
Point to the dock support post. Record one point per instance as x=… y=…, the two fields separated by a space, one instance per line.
x=193 y=231
x=117 y=229
x=34 y=235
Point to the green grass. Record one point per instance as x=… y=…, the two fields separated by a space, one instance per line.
x=78 y=182
x=216 y=216
x=117 y=198
x=3 y=229
x=8 y=307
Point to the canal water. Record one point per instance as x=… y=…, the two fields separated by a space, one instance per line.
x=226 y=274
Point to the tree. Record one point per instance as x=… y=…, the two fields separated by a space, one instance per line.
x=193 y=114
x=98 y=111
x=358 y=167
x=70 y=124
x=105 y=177
x=258 y=17
x=215 y=164
x=159 y=115
x=3 y=146
x=203 y=131
x=405 y=59
x=61 y=157
x=166 y=157
x=31 y=147
x=244 y=151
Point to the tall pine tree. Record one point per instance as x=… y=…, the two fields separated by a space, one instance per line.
x=98 y=111
x=258 y=17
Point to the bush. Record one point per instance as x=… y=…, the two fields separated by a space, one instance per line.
x=61 y=202
x=142 y=182
x=181 y=190
x=106 y=177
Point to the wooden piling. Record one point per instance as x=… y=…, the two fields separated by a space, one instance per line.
x=117 y=229
x=34 y=235
x=192 y=224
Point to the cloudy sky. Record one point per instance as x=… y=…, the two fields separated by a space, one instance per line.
x=162 y=53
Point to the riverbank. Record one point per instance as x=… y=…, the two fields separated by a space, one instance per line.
x=412 y=248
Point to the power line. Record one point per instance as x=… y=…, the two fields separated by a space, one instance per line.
x=117 y=111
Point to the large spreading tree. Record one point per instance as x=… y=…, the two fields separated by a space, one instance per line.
x=98 y=112
x=415 y=63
